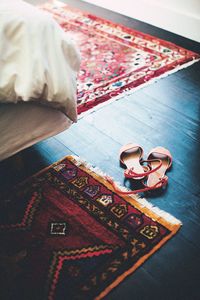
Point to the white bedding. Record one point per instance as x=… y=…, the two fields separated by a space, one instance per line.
x=38 y=69
x=38 y=62
x=25 y=124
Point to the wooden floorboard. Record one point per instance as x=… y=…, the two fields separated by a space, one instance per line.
x=165 y=113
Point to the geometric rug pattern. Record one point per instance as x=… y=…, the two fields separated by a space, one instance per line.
x=65 y=234
x=115 y=59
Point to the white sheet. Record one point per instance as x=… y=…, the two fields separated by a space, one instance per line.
x=38 y=61
x=25 y=124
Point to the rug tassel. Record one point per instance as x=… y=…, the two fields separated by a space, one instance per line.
x=142 y=201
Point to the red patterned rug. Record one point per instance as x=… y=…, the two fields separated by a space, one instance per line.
x=65 y=234
x=115 y=59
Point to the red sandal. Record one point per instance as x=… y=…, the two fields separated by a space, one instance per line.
x=159 y=161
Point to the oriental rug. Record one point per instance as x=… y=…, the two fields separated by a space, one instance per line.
x=65 y=234
x=115 y=59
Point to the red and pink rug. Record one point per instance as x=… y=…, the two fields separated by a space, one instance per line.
x=115 y=59
x=65 y=234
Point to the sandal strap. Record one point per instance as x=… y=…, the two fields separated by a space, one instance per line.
x=162 y=182
x=129 y=173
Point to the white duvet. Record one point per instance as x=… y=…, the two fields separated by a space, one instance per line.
x=38 y=62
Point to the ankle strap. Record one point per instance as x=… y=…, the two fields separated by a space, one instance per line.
x=162 y=182
x=129 y=173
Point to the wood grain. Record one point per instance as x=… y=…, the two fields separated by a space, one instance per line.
x=165 y=113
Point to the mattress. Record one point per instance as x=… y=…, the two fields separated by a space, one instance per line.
x=24 y=124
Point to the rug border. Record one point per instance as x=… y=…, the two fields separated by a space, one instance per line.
x=150 y=210
x=132 y=90
x=162 y=217
x=126 y=28
x=127 y=273
x=136 y=200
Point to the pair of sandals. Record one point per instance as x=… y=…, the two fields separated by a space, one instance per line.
x=151 y=171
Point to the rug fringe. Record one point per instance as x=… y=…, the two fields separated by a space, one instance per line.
x=142 y=201
x=130 y=91
x=127 y=91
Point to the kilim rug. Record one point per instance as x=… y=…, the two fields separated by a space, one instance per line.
x=115 y=59
x=65 y=234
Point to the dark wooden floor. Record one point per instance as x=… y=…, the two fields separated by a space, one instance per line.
x=165 y=113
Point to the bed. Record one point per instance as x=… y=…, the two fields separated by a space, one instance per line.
x=38 y=70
